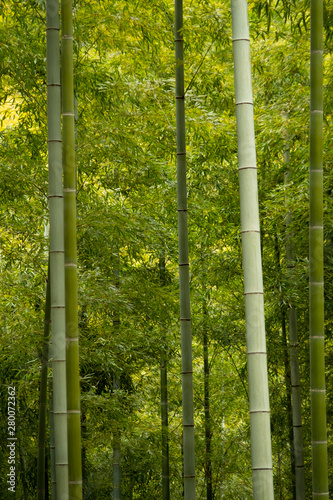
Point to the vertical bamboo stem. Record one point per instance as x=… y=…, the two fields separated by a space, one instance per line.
x=294 y=362
x=72 y=330
x=184 y=275
x=56 y=250
x=41 y=488
x=262 y=473
x=116 y=447
x=164 y=404
x=52 y=445
x=316 y=278
x=116 y=387
x=208 y=430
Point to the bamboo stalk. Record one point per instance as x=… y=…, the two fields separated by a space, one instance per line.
x=316 y=264
x=72 y=330
x=262 y=473
x=56 y=250
x=116 y=444
x=164 y=403
x=52 y=444
x=41 y=489
x=208 y=430
x=184 y=275
x=294 y=360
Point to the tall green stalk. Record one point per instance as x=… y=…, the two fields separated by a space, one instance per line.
x=184 y=275
x=297 y=412
x=57 y=249
x=116 y=387
x=164 y=403
x=116 y=446
x=294 y=361
x=262 y=472
x=289 y=410
x=52 y=445
x=43 y=395
x=72 y=330
x=316 y=278
x=208 y=430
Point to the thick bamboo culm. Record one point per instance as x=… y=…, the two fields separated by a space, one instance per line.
x=57 y=278
x=184 y=274
x=72 y=330
x=262 y=472
x=316 y=261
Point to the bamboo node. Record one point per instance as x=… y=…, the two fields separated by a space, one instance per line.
x=244 y=102
x=240 y=40
x=259 y=411
x=250 y=231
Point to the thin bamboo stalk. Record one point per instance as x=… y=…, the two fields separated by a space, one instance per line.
x=72 y=330
x=164 y=403
x=294 y=359
x=184 y=275
x=116 y=381
x=52 y=443
x=208 y=430
x=116 y=446
x=56 y=250
x=41 y=487
x=289 y=409
x=262 y=472
x=316 y=261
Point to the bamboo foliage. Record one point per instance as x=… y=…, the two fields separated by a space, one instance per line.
x=262 y=473
x=57 y=250
x=316 y=278
x=72 y=331
x=184 y=277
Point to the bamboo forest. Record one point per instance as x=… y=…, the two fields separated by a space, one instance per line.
x=166 y=249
